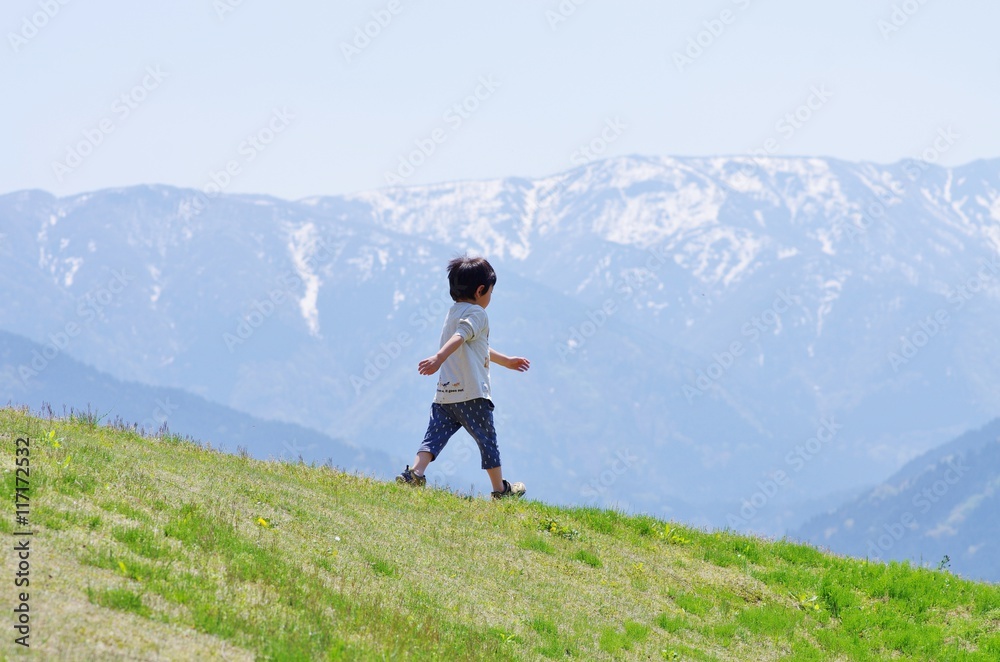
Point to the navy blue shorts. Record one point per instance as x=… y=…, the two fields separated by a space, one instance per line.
x=476 y=416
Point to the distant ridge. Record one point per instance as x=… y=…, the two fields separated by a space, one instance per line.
x=65 y=383
x=941 y=504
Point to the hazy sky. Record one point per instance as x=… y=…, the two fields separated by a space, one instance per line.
x=297 y=100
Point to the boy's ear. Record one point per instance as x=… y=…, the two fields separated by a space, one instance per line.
x=480 y=291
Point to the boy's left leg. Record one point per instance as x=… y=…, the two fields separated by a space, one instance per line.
x=476 y=416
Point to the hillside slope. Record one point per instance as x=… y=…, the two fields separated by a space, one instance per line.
x=158 y=548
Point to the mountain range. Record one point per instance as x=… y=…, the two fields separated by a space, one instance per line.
x=733 y=341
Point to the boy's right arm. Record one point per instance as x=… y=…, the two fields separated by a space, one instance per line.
x=431 y=364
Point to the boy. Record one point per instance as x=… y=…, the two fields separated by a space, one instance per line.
x=463 y=390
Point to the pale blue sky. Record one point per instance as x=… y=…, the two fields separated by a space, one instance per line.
x=225 y=76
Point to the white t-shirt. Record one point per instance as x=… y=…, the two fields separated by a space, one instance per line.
x=465 y=375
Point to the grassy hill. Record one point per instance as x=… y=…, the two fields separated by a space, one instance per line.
x=164 y=549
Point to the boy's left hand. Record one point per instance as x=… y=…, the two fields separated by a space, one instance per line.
x=518 y=363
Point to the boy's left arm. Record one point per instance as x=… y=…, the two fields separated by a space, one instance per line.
x=513 y=362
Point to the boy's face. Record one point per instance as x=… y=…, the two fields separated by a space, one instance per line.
x=483 y=296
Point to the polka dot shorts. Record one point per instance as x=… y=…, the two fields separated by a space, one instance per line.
x=476 y=416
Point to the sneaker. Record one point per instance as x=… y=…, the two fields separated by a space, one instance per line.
x=410 y=478
x=510 y=490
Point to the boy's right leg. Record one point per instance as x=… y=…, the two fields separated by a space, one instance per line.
x=440 y=429
x=408 y=477
x=420 y=462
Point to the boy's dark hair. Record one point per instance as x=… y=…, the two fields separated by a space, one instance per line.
x=467 y=274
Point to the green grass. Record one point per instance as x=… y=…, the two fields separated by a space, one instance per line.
x=120 y=599
x=536 y=543
x=588 y=557
x=158 y=547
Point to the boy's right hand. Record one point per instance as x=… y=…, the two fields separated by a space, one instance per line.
x=430 y=365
